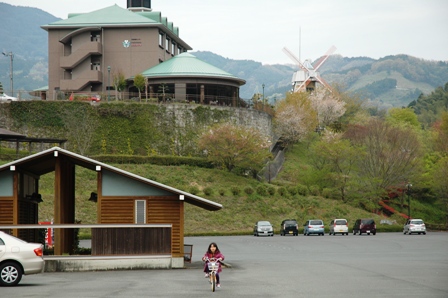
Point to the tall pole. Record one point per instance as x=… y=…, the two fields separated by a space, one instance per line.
x=108 y=83
x=409 y=185
x=264 y=108
x=11 y=83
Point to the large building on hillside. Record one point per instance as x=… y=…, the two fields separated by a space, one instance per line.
x=86 y=51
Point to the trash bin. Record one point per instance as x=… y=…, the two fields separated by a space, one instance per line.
x=188 y=252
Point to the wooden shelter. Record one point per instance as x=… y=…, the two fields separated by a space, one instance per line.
x=122 y=198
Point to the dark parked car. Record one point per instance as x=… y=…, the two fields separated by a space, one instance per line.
x=364 y=225
x=289 y=227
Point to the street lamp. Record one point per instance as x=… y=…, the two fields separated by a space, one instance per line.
x=11 y=56
x=264 y=108
x=408 y=187
x=108 y=83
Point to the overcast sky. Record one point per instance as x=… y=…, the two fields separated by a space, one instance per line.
x=259 y=29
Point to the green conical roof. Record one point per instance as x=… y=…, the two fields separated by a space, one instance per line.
x=187 y=65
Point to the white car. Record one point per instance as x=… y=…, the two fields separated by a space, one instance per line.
x=414 y=226
x=5 y=97
x=339 y=226
x=18 y=258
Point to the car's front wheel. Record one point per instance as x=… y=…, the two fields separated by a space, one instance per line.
x=10 y=274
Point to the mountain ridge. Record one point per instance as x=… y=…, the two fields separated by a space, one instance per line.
x=365 y=76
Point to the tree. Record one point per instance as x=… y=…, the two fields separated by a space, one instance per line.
x=80 y=125
x=440 y=183
x=403 y=116
x=139 y=83
x=340 y=157
x=163 y=88
x=232 y=146
x=390 y=155
x=119 y=82
x=294 y=117
x=327 y=105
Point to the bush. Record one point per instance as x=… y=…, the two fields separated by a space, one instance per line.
x=292 y=190
x=314 y=190
x=330 y=193
x=271 y=190
x=248 y=190
x=222 y=192
x=194 y=190
x=302 y=190
x=282 y=191
x=208 y=191
x=262 y=190
x=235 y=190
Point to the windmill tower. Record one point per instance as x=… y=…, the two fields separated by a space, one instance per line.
x=306 y=77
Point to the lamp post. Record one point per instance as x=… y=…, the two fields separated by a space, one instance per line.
x=11 y=57
x=408 y=187
x=264 y=108
x=108 y=83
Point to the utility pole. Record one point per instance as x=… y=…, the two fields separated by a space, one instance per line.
x=11 y=83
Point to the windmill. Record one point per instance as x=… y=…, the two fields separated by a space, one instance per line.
x=306 y=77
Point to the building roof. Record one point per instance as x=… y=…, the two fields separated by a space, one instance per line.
x=115 y=16
x=44 y=162
x=187 y=65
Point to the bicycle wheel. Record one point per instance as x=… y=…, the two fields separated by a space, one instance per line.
x=213 y=281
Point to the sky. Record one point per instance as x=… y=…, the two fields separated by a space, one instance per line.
x=259 y=29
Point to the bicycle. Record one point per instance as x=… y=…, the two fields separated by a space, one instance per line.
x=213 y=266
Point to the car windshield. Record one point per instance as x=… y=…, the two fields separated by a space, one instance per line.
x=315 y=222
x=290 y=222
x=417 y=222
x=264 y=223
x=368 y=221
x=341 y=222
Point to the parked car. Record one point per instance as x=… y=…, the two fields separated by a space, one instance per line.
x=85 y=97
x=289 y=227
x=414 y=226
x=263 y=228
x=6 y=97
x=339 y=226
x=364 y=225
x=314 y=226
x=17 y=258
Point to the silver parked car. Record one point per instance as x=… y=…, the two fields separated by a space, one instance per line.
x=414 y=226
x=263 y=228
x=17 y=258
x=314 y=226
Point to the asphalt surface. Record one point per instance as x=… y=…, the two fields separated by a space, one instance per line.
x=385 y=265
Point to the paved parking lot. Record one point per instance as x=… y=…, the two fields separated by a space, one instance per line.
x=385 y=265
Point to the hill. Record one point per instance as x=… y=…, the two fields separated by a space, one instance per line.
x=391 y=81
x=20 y=33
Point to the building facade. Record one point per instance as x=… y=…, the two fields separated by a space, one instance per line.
x=87 y=51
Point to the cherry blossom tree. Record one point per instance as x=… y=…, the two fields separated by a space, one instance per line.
x=327 y=105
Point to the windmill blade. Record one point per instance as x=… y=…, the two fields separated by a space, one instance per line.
x=324 y=57
x=294 y=58
x=323 y=82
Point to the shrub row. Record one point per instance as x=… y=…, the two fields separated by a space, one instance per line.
x=156 y=160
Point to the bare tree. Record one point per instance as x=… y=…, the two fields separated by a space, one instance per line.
x=80 y=124
x=391 y=155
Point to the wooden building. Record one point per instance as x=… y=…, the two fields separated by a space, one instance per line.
x=122 y=198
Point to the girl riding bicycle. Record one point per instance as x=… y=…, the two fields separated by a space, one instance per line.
x=213 y=252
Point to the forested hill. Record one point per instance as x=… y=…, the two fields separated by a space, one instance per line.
x=389 y=81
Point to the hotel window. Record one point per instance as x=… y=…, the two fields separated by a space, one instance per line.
x=173 y=48
x=167 y=44
x=161 y=36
